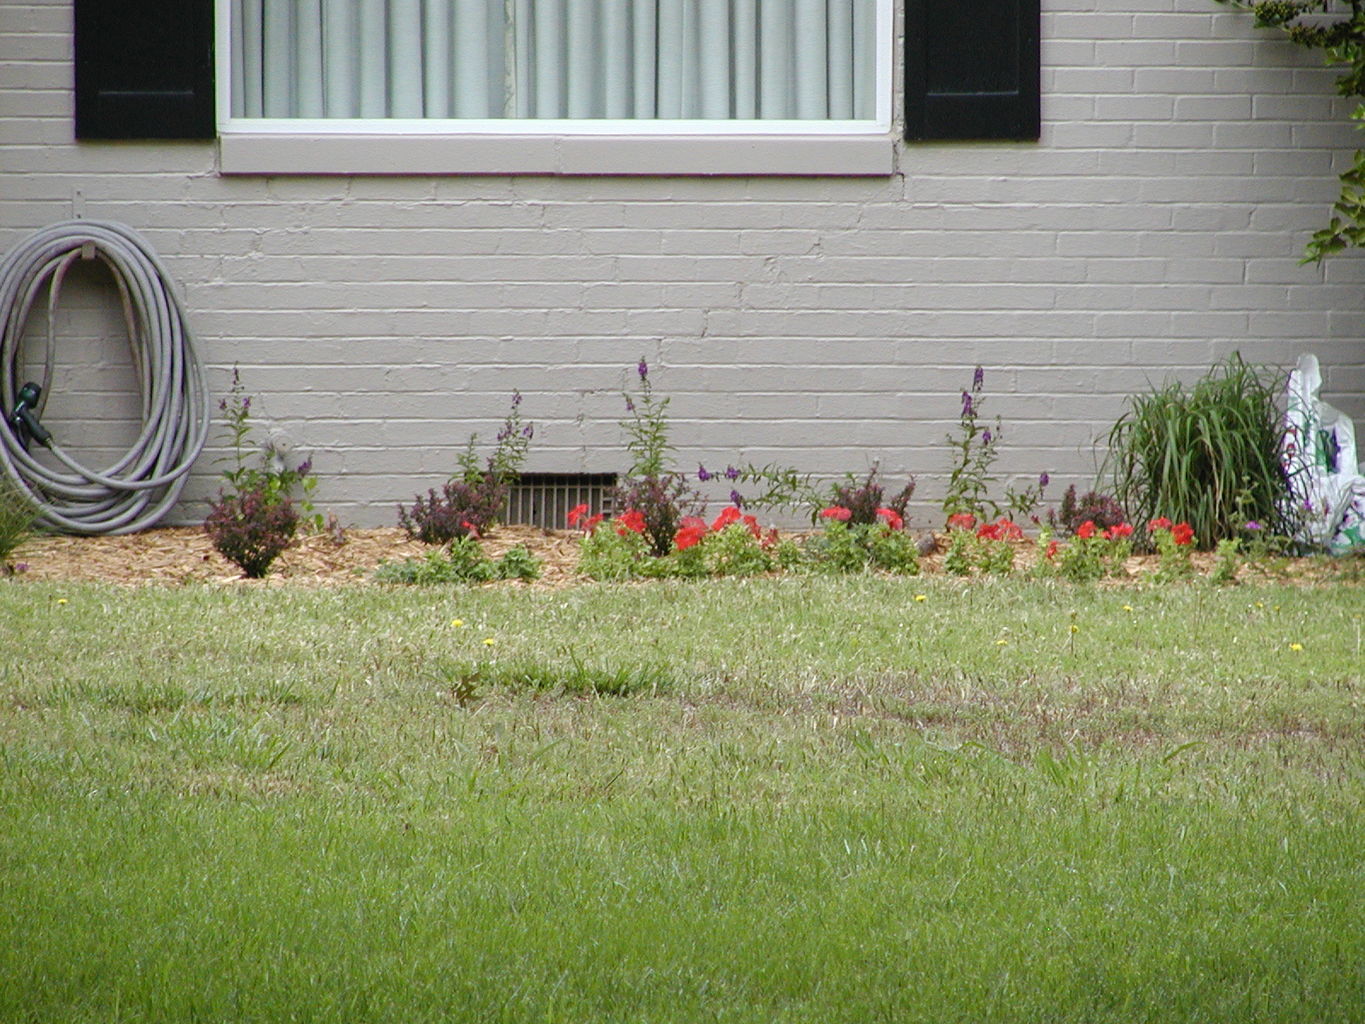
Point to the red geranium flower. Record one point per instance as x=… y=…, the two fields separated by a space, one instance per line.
x=1005 y=529
x=1182 y=534
x=1051 y=551
x=1086 y=530
x=729 y=514
x=836 y=512
x=1121 y=530
x=989 y=531
x=577 y=513
x=1160 y=523
x=892 y=518
x=752 y=524
x=962 y=521
x=689 y=521
x=689 y=535
x=630 y=521
x=591 y=522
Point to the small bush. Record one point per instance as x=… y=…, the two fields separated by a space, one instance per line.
x=864 y=500
x=1092 y=506
x=251 y=528
x=461 y=509
x=664 y=500
x=463 y=561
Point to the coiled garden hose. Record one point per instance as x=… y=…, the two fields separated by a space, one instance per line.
x=139 y=488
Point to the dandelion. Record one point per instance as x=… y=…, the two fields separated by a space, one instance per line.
x=61 y=600
x=921 y=597
x=1128 y=607
x=1001 y=643
x=1296 y=647
x=488 y=641
x=457 y=623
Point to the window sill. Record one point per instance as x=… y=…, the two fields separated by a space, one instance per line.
x=663 y=156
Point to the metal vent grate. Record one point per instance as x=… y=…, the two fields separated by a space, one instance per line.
x=544 y=499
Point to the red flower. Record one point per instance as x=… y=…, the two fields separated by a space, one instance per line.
x=577 y=513
x=1161 y=523
x=836 y=512
x=630 y=521
x=770 y=541
x=1086 y=530
x=752 y=524
x=962 y=521
x=989 y=531
x=688 y=536
x=473 y=530
x=1121 y=530
x=729 y=514
x=1007 y=530
x=693 y=521
x=591 y=522
x=1182 y=534
x=1051 y=551
x=892 y=518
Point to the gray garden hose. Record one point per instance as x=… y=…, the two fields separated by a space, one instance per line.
x=138 y=489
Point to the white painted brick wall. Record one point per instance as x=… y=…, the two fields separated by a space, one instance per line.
x=823 y=323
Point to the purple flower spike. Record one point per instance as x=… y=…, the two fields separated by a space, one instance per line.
x=986 y=436
x=642 y=369
x=702 y=474
x=978 y=378
x=1043 y=479
x=630 y=406
x=737 y=498
x=1253 y=526
x=968 y=410
x=731 y=473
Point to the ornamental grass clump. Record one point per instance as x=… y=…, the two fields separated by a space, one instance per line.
x=17 y=515
x=1209 y=456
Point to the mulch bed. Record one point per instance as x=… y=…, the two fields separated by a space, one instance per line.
x=178 y=555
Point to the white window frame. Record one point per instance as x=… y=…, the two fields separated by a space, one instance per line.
x=556 y=146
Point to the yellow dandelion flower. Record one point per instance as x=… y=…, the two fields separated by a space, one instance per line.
x=1128 y=607
x=488 y=641
x=457 y=623
x=1001 y=643
x=61 y=600
x=1296 y=647
x=920 y=597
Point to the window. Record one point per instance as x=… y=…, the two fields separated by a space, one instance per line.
x=554 y=66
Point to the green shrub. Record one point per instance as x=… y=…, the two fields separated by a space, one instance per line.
x=463 y=561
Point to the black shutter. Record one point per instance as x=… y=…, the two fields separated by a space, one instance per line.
x=971 y=69
x=144 y=69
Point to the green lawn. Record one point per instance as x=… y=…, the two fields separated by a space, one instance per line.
x=800 y=799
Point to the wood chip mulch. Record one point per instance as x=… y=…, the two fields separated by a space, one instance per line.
x=179 y=555
x=176 y=555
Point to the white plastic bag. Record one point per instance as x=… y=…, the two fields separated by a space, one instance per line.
x=1320 y=454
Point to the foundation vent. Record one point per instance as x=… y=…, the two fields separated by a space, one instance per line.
x=544 y=499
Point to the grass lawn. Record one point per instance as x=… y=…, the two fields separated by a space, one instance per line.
x=774 y=800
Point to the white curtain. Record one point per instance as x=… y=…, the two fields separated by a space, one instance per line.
x=580 y=59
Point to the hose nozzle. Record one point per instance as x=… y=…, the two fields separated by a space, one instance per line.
x=24 y=420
